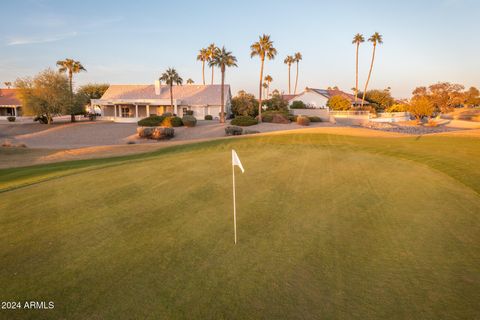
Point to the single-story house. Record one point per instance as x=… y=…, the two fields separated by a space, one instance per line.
x=317 y=98
x=129 y=103
x=10 y=105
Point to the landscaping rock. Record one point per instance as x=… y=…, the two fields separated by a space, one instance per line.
x=156 y=132
x=163 y=133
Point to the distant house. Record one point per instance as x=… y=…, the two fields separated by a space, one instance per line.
x=129 y=103
x=10 y=105
x=317 y=98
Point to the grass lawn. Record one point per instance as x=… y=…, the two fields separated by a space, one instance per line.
x=329 y=226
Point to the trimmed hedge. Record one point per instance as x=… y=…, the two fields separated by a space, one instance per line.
x=172 y=122
x=189 y=121
x=244 y=121
x=11 y=119
x=151 y=121
x=315 y=119
x=303 y=120
x=208 y=117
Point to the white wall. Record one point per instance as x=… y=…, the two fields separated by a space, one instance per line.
x=312 y=99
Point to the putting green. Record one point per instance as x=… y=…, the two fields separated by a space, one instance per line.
x=329 y=226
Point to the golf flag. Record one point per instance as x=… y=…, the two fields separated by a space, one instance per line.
x=236 y=161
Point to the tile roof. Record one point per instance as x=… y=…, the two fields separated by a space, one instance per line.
x=8 y=97
x=188 y=94
x=288 y=97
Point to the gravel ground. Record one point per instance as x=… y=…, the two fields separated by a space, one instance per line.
x=102 y=133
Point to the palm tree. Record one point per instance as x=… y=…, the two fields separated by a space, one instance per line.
x=171 y=77
x=288 y=61
x=190 y=81
x=223 y=59
x=297 y=57
x=357 y=39
x=265 y=87
x=264 y=49
x=71 y=67
x=268 y=80
x=203 y=56
x=7 y=84
x=212 y=50
x=374 y=39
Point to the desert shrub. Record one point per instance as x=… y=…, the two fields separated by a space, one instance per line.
x=11 y=119
x=172 y=121
x=338 y=103
x=189 y=121
x=246 y=131
x=208 y=117
x=189 y=112
x=41 y=119
x=233 y=131
x=315 y=119
x=275 y=117
x=397 y=107
x=292 y=117
x=151 y=121
x=298 y=105
x=244 y=121
x=303 y=120
x=131 y=142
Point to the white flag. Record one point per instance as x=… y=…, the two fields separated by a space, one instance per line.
x=236 y=161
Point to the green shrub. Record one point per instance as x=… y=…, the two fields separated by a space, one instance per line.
x=11 y=119
x=303 y=120
x=298 y=105
x=189 y=121
x=315 y=119
x=189 y=112
x=292 y=117
x=172 y=122
x=244 y=121
x=233 y=131
x=151 y=121
x=208 y=117
x=275 y=117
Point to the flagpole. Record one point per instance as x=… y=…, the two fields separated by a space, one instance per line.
x=234 y=205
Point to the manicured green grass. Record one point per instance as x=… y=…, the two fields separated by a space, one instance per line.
x=329 y=227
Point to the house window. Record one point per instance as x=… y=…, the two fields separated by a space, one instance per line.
x=125 y=112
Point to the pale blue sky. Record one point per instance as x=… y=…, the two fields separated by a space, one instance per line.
x=134 y=41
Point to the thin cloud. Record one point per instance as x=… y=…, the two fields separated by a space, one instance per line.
x=17 y=41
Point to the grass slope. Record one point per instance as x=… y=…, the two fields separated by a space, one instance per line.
x=329 y=227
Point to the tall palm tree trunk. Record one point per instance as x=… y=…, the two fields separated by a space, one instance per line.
x=289 y=80
x=222 y=107
x=70 y=79
x=203 y=71
x=260 y=93
x=212 y=74
x=171 y=97
x=356 y=74
x=369 y=74
x=296 y=81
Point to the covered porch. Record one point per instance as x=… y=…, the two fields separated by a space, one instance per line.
x=10 y=111
x=132 y=111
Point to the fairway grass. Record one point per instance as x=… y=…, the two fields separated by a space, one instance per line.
x=329 y=226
